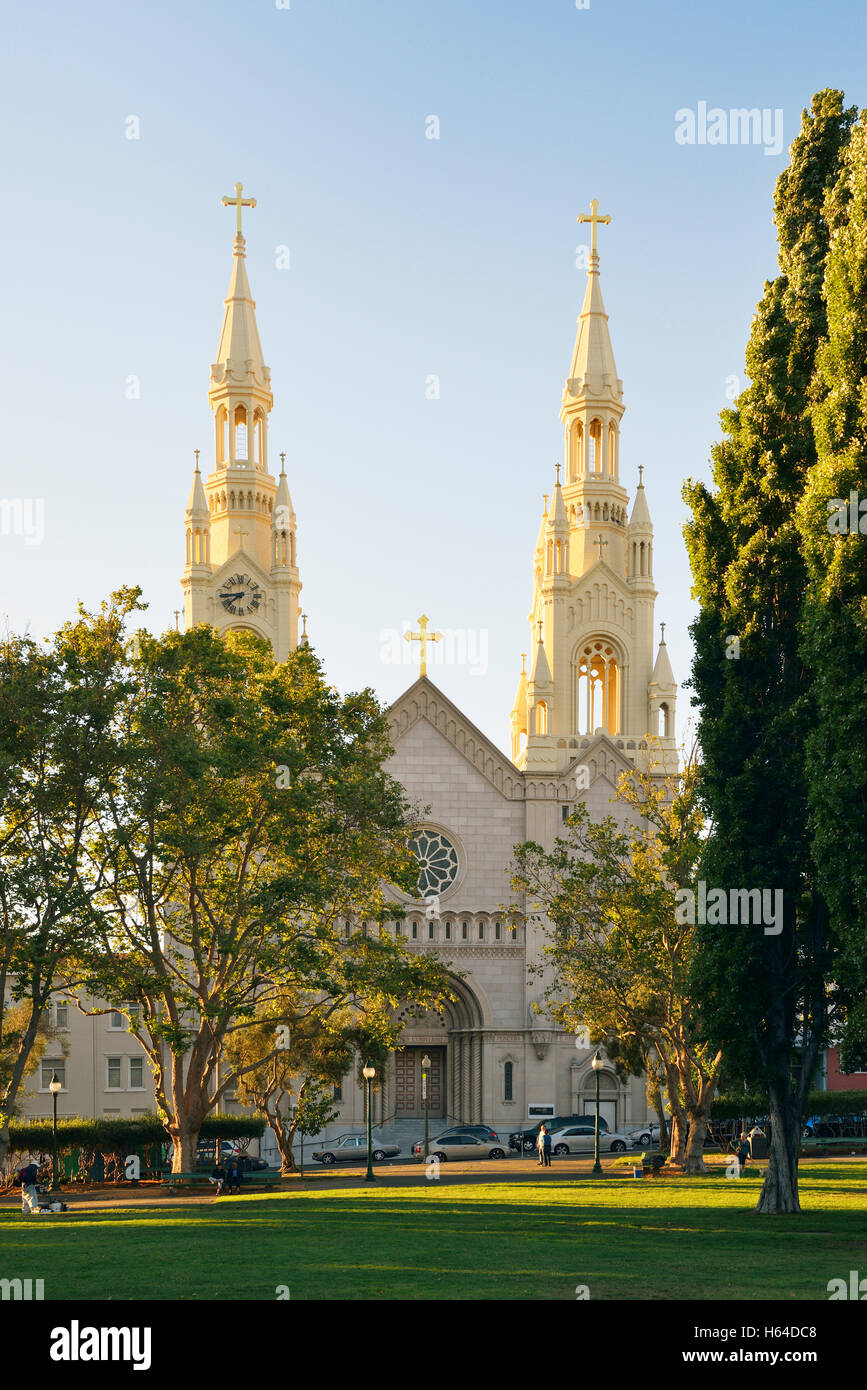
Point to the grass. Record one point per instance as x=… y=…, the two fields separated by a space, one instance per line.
x=687 y=1238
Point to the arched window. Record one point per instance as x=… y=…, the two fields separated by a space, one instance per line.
x=598 y=689
x=596 y=441
x=612 y=451
x=221 y=435
x=508 y=1080
x=576 y=459
x=541 y=718
x=240 y=434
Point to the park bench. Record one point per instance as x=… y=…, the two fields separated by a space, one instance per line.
x=651 y=1162
x=266 y=1177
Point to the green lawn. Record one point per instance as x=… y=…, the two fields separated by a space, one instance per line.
x=531 y=1239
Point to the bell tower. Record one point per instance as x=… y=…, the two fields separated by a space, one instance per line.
x=241 y=564
x=593 y=673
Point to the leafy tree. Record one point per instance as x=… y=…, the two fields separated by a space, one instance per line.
x=249 y=821
x=758 y=995
x=58 y=701
x=621 y=955
x=835 y=613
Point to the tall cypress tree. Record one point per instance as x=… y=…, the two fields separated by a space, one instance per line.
x=835 y=614
x=763 y=995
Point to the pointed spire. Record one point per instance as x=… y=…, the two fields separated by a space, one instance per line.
x=284 y=512
x=540 y=676
x=663 y=676
x=593 y=371
x=197 y=504
x=240 y=351
x=558 y=519
x=640 y=512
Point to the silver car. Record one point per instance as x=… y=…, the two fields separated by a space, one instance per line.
x=459 y=1147
x=581 y=1139
x=352 y=1148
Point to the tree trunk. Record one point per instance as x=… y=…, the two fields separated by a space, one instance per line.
x=695 y=1142
x=185 y=1138
x=779 y=1194
x=284 y=1142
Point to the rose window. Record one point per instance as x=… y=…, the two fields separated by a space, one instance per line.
x=437 y=862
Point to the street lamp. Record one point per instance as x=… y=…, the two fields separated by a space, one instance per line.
x=597 y=1065
x=54 y=1086
x=425 y=1067
x=369 y=1073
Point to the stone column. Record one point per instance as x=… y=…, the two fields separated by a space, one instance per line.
x=478 y=1096
x=466 y=1080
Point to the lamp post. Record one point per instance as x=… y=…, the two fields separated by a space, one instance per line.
x=54 y=1087
x=597 y=1065
x=425 y=1068
x=369 y=1073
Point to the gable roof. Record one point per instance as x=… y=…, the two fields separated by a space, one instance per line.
x=424 y=700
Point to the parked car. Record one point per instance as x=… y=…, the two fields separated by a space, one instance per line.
x=526 y=1139
x=478 y=1131
x=581 y=1139
x=460 y=1147
x=228 y=1151
x=645 y=1134
x=352 y=1148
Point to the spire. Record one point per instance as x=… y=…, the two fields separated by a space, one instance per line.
x=540 y=676
x=593 y=371
x=640 y=512
x=663 y=676
x=197 y=504
x=240 y=391
x=540 y=539
x=521 y=694
x=558 y=521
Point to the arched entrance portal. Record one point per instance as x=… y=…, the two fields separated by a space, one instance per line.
x=453 y=1037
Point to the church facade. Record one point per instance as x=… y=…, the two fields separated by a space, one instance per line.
x=595 y=702
x=598 y=700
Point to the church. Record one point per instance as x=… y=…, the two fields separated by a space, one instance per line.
x=595 y=702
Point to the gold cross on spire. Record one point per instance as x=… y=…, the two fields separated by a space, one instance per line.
x=238 y=202
x=594 y=218
x=424 y=637
x=600 y=542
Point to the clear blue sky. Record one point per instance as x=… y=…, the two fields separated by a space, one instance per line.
x=409 y=257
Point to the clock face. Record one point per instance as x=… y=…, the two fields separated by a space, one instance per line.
x=240 y=595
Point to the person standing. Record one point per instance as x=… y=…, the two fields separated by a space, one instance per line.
x=543 y=1143
x=29 y=1191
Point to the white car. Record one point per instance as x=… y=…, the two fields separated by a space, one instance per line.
x=581 y=1139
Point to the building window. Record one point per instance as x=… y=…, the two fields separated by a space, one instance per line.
x=415 y=931
x=338 y=1091
x=481 y=931
x=496 y=931
x=112 y=1073
x=347 y=928
x=49 y=1067
x=437 y=861
x=61 y=1014
x=448 y=931
x=136 y=1073
x=116 y=1020
x=398 y=929
x=513 y=932
x=430 y=931
x=564 y=812
x=465 y=930
x=508 y=1070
